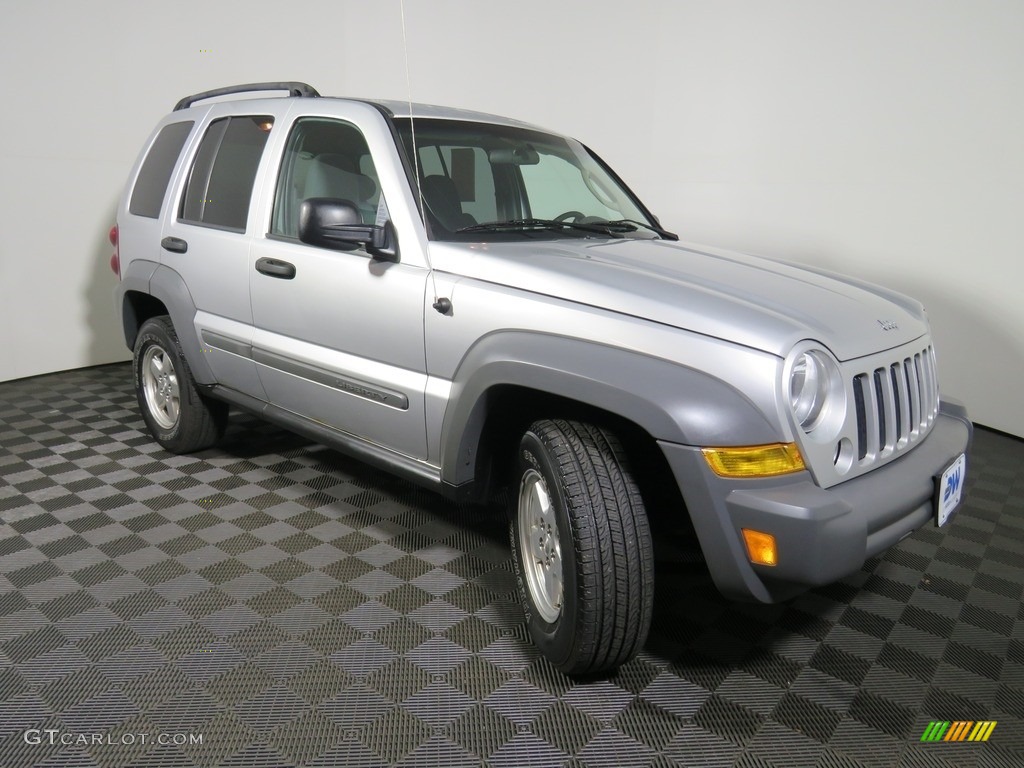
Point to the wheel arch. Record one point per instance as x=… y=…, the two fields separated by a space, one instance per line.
x=147 y=290
x=136 y=309
x=510 y=377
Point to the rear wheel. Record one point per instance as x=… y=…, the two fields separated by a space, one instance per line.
x=582 y=547
x=178 y=416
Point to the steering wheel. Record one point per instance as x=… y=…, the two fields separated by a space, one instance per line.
x=574 y=215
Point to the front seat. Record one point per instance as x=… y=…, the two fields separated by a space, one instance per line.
x=336 y=176
x=442 y=198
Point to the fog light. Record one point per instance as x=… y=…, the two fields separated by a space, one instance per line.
x=760 y=547
x=755 y=460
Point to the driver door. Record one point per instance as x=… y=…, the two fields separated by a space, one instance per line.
x=338 y=336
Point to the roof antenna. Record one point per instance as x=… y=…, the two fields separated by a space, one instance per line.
x=441 y=304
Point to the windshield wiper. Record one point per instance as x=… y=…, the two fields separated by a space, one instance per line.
x=611 y=229
x=657 y=230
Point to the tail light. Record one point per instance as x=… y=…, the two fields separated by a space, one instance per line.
x=115 y=257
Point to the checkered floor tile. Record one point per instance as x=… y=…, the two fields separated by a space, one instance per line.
x=273 y=603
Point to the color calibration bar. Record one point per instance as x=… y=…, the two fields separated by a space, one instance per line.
x=959 y=730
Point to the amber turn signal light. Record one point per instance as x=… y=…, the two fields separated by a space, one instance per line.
x=760 y=547
x=755 y=460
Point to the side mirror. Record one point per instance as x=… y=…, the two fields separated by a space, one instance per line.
x=336 y=224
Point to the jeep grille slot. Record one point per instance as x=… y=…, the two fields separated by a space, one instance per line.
x=860 y=387
x=895 y=405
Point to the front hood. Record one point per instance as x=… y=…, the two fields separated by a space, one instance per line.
x=756 y=302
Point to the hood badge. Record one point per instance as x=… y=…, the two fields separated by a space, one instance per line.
x=888 y=325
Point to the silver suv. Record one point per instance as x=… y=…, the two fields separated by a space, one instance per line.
x=476 y=304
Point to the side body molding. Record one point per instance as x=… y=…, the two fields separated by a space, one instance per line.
x=671 y=402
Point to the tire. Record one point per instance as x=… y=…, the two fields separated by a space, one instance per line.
x=177 y=415
x=581 y=547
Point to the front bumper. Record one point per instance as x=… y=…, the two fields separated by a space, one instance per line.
x=822 y=535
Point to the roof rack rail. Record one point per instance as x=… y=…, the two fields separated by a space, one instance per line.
x=294 y=88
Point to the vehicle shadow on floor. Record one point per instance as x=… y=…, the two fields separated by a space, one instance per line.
x=694 y=627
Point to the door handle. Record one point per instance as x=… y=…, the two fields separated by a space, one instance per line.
x=175 y=244
x=275 y=268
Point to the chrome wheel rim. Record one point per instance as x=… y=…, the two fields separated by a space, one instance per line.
x=539 y=544
x=160 y=387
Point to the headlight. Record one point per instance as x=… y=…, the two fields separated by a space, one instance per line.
x=816 y=393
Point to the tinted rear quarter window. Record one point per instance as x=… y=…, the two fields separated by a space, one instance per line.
x=151 y=185
x=220 y=185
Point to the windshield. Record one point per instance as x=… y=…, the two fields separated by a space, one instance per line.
x=482 y=181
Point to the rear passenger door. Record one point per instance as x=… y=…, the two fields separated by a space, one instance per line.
x=338 y=335
x=139 y=232
x=205 y=240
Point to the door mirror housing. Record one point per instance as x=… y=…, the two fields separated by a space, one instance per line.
x=332 y=223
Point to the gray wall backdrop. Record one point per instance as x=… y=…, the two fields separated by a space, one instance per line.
x=882 y=138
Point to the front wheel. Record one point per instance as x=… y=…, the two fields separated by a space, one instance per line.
x=582 y=547
x=178 y=416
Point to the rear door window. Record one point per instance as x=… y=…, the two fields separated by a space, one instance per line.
x=151 y=184
x=220 y=183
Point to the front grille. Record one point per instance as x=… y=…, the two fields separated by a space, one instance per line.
x=896 y=405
